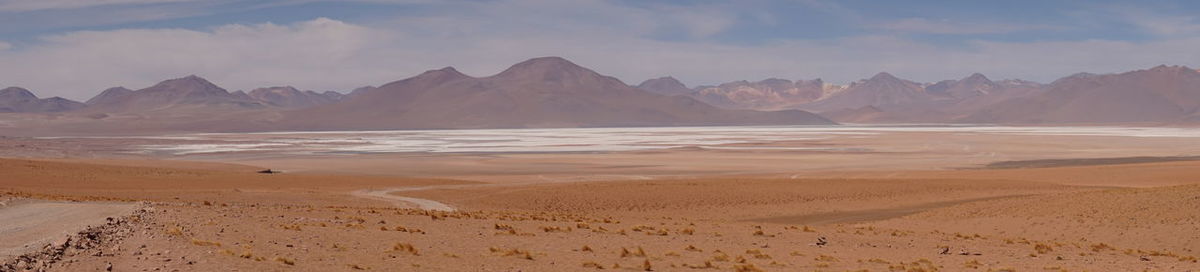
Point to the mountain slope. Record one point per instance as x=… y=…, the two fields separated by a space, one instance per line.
x=664 y=86
x=1159 y=94
x=541 y=92
x=16 y=99
x=110 y=95
x=187 y=93
x=289 y=97
x=881 y=91
x=769 y=94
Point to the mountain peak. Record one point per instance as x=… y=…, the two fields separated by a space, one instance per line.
x=664 y=79
x=442 y=75
x=549 y=60
x=976 y=77
x=664 y=85
x=16 y=93
x=884 y=76
x=191 y=82
x=547 y=66
x=109 y=95
x=1171 y=68
x=118 y=89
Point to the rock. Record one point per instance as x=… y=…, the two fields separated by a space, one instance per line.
x=61 y=242
x=108 y=267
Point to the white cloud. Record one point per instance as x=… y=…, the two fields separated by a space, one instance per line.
x=5 y=46
x=33 y=5
x=1168 y=25
x=321 y=53
x=922 y=25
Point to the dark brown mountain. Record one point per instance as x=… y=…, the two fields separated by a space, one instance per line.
x=187 y=93
x=289 y=97
x=541 y=92
x=1159 y=94
x=16 y=99
x=665 y=86
x=768 y=94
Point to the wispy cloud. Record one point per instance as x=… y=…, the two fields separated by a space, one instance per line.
x=1165 y=25
x=927 y=26
x=35 y=5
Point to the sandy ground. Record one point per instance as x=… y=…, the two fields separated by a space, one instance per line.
x=31 y=224
x=672 y=210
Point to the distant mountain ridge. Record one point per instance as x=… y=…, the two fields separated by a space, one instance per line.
x=189 y=92
x=540 y=92
x=16 y=99
x=554 y=92
x=290 y=97
x=1160 y=94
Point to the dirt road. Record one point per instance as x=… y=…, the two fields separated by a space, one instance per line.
x=27 y=225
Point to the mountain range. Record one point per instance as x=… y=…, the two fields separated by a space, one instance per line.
x=1163 y=94
x=554 y=92
x=15 y=99
x=540 y=92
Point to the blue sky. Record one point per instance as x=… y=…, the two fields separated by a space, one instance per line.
x=73 y=48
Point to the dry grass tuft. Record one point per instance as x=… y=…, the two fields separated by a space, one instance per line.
x=1102 y=247
x=409 y=230
x=758 y=254
x=285 y=260
x=973 y=264
x=555 y=229
x=747 y=268
x=591 y=264
x=174 y=231
x=199 y=242
x=1042 y=248
x=403 y=247
x=825 y=258
x=627 y=253
x=512 y=252
x=706 y=265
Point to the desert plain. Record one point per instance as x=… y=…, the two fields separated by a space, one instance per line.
x=853 y=198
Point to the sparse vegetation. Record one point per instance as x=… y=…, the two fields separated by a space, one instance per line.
x=199 y=242
x=404 y=247
x=286 y=261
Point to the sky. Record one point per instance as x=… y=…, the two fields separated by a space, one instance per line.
x=75 y=48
